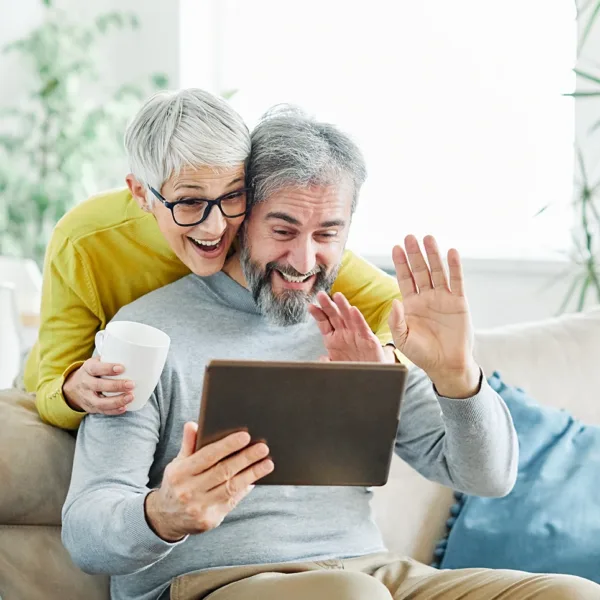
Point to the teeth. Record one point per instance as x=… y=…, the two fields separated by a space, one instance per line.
x=294 y=279
x=208 y=244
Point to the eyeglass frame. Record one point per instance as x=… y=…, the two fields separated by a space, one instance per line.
x=209 y=205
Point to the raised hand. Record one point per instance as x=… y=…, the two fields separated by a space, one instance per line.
x=345 y=332
x=432 y=325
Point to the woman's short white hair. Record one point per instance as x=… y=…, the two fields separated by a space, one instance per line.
x=185 y=128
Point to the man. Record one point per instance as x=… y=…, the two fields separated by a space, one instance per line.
x=165 y=521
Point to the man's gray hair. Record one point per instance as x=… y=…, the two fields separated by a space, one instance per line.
x=291 y=149
x=185 y=128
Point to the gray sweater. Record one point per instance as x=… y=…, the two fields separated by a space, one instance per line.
x=469 y=445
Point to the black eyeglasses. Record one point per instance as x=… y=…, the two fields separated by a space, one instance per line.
x=188 y=212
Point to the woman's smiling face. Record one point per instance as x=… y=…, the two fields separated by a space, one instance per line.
x=203 y=248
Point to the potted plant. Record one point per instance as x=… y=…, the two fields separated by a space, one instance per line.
x=57 y=145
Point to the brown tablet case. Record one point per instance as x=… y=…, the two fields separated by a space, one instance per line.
x=325 y=423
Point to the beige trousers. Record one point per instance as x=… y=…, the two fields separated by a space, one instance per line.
x=381 y=576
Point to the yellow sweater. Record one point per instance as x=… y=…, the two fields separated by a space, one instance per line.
x=107 y=252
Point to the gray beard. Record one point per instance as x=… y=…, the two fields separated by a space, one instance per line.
x=289 y=307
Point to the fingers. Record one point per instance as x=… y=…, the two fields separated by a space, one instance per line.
x=96 y=368
x=208 y=456
x=320 y=317
x=438 y=272
x=418 y=265
x=397 y=324
x=359 y=323
x=231 y=489
x=113 y=405
x=228 y=469
x=92 y=387
x=188 y=443
x=415 y=274
x=331 y=310
x=343 y=308
x=404 y=275
x=457 y=282
x=110 y=386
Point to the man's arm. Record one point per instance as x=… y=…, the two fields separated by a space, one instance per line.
x=468 y=444
x=104 y=525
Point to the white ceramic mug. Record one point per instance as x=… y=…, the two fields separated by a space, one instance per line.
x=141 y=349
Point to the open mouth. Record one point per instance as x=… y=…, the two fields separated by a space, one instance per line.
x=292 y=279
x=208 y=246
x=295 y=282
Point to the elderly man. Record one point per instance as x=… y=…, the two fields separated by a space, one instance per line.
x=166 y=521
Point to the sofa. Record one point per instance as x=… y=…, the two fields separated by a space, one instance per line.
x=556 y=360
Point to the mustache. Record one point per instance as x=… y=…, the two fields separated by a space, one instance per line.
x=290 y=271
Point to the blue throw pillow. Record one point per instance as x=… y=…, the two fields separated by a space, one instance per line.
x=550 y=522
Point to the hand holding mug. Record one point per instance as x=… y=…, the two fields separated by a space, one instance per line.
x=84 y=389
x=132 y=356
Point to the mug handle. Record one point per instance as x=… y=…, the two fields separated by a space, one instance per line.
x=99 y=341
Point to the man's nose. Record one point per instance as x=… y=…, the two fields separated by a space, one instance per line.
x=303 y=255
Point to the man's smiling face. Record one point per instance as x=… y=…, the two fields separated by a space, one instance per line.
x=292 y=248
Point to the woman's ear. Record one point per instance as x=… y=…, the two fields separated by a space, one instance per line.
x=138 y=191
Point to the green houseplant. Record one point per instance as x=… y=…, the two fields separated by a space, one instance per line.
x=585 y=254
x=63 y=137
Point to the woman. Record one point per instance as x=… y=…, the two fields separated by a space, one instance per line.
x=122 y=244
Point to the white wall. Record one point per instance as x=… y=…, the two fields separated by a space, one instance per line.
x=500 y=292
x=505 y=291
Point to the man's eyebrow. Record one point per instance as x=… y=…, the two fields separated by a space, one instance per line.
x=283 y=217
x=333 y=223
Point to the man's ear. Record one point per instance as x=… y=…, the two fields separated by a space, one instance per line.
x=138 y=191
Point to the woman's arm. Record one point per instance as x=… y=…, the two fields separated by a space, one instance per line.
x=68 y=324
x=370 y=290
x=70 y=317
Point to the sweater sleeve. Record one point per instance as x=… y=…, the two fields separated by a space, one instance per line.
x=104 y=527
x=469 y=445
x=69 y=321
x=370 y=290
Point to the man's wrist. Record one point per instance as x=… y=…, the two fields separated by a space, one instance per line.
x=459 y=385
x=156 y=522
x=389 y=351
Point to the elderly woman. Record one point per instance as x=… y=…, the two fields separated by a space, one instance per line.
x=185 y=200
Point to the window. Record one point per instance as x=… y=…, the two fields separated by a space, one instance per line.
x=457 y=106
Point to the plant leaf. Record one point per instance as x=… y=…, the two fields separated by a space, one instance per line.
x=583 y=294
x=588 y=27
x=582 y=94
x=228 y=94
x=581 y=162
x=587 y=76
x=160 y=80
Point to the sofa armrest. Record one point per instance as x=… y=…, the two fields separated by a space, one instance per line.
x=35 y=463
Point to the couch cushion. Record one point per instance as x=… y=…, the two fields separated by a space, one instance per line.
x=35 y=463
x=550 y=522
x=34 y=564
x=557 y=361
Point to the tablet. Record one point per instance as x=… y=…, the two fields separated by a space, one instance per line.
x=325 y=423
